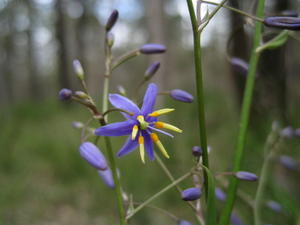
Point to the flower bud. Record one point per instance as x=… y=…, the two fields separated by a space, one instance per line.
x=78 y=69
x=235 y=219
x=151 y=70
x=239 y=65
x=81 y=94
x=184 y=222
x=92 y=154
x=121 y=90
x=289 y=13
x=110 y=38
x=275 y=206
x=65 y=94
x=220 y=195
x=77 y=125
x=283 y=22
x=107 y=177
x=288 y=162
x=244 y=175
x=191 y=194
x=152 y=49
x=112 y=20
x=197 y=151
x=287 y=132
x=297 y=132
x=181 y=95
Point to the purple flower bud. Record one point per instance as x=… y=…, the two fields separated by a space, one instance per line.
x=220 y=195
x=283 y=22
x=275 y=206
x=191 y=194
x=287 y=132
x=197 y=151
x=244 y=175
x=235 y=219
x=181 y=95
x=112 y=20
x=184 y=222
x=297 y=132
x=107 y=177
x=152 y=49
x=239 y=65
x=65 y=94
x=288 y=162
x=151 y=70
x=92 y=154
x=290 y=13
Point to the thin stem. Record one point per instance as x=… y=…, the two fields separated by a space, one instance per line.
x=111 y=158
x=205 y=23
x=122 y=59
x=199 y=88
x=145 y=203
x=117 y=110
x=172 y=179
x=244 y=120
x=234 y=10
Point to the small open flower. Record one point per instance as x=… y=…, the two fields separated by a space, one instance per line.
x=283 y=22
x=191 y=194
x=244 y=175
x=141 y=126
x=93 y=155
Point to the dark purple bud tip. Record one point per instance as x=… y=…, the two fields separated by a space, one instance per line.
x=184 y=222
x=181 y=95
x=107 y=177
x=92 y=154
x=152 y=49
x=287 y=132
x=275 y=206
x=197 y=151
x=112 y=20
x=290 y=13
x=220 y=195
x=244 y=175
x=288 y=162
x=239 y=65
x=283 y=22
x=191 y=194
x=152 y=69
x=65 y=94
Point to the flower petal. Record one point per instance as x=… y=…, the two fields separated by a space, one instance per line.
x=148 y=145
x=116 y=129
x=122 y=102
x=149 y=99
x=128 y=147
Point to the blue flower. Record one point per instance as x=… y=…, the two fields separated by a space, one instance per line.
x=141 y=126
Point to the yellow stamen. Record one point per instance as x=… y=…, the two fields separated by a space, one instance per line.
x=142 y=148
x=155 y=139
x=160 y=112
x=134 y=132
x=167 y=126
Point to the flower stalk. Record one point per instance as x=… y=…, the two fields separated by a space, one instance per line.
x=245 y=113
x=199 y=88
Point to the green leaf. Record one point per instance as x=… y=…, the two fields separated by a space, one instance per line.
x=276 y=42
x=211 y=214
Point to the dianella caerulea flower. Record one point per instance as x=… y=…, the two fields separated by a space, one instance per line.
x=141 y=126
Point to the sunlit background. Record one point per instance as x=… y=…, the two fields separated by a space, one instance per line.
x=44 y=181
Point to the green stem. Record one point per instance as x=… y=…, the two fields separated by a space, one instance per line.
x=234 y=10
x=111 y=158
x=127 y=56
x=145 y=203
x=199 y=88
x=244 y=120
